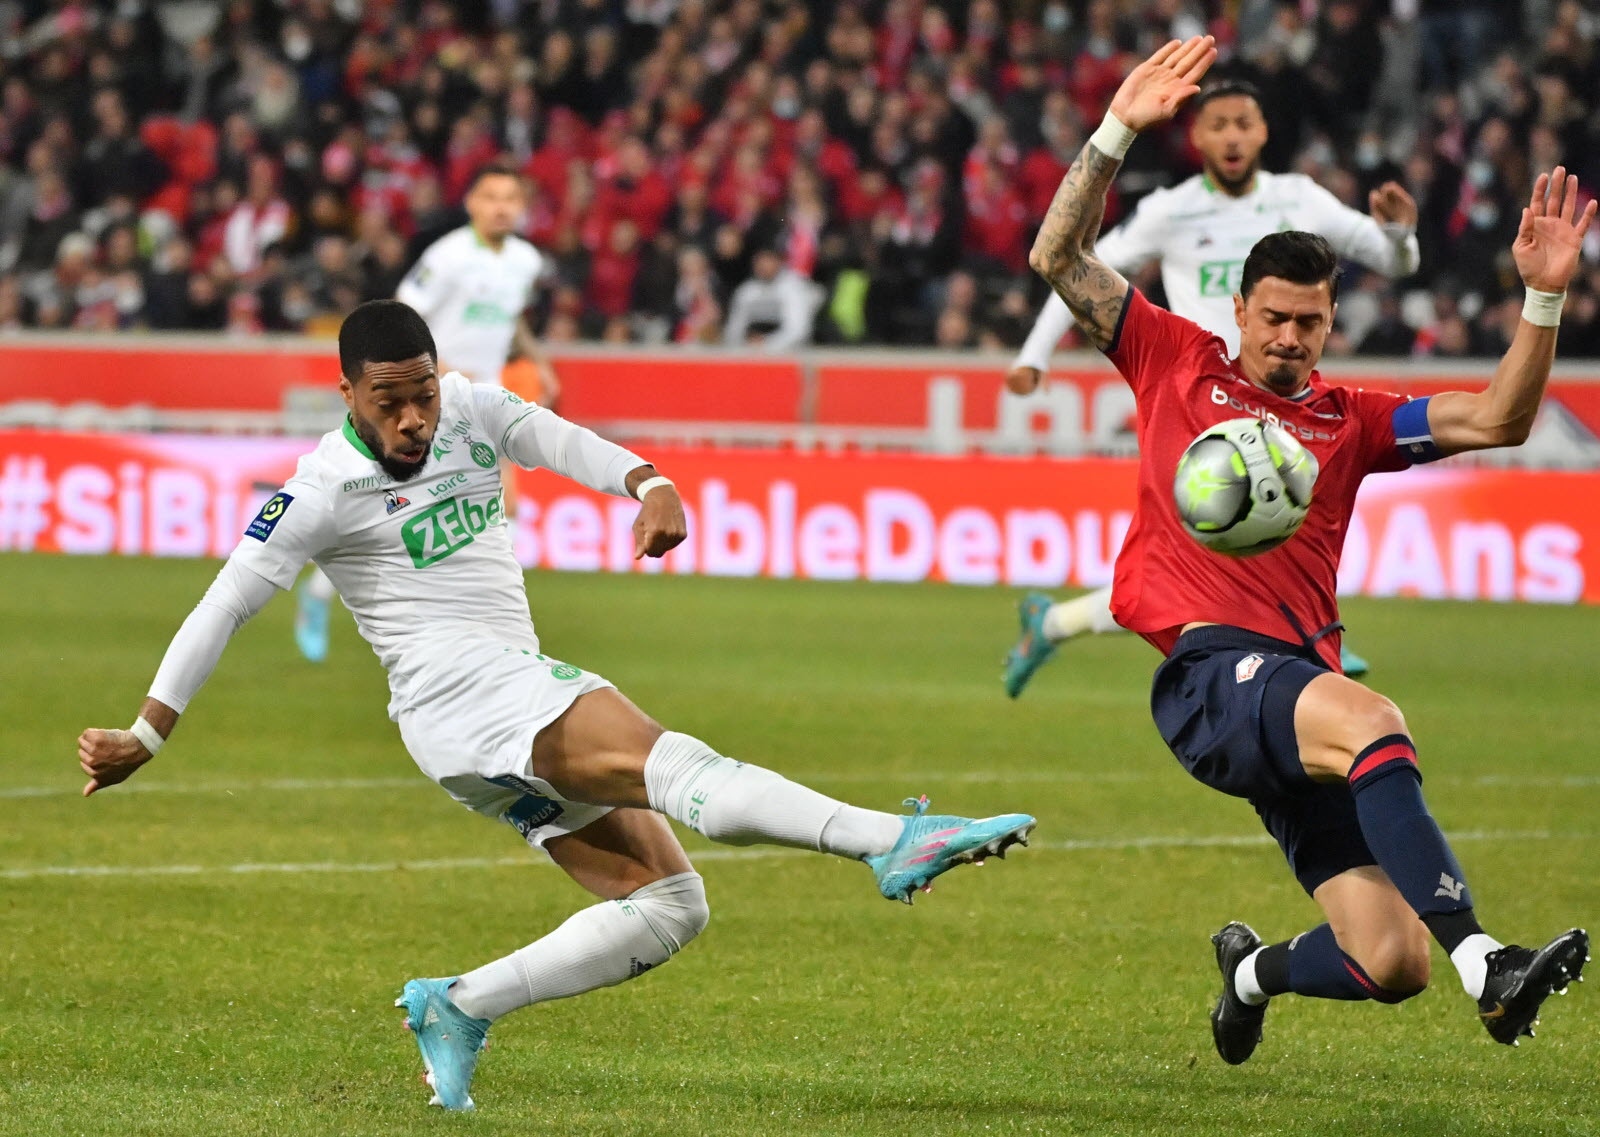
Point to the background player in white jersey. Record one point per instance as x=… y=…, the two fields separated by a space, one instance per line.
x=471 y=286
x=403 y=509
x=1201 y=230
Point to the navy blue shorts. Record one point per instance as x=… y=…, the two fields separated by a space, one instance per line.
x=1224 y=704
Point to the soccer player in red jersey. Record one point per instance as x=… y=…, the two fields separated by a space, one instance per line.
x=1250 y=698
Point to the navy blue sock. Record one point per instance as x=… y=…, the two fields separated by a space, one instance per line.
x=1319 y=968
x=1407 y=842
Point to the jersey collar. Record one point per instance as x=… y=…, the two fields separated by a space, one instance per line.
x=355 y=439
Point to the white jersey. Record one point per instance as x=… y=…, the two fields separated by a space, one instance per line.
x=1202 y=236
x=426 y=565
x=471 y=297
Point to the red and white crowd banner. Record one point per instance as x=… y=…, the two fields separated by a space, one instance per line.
x=1035 y=522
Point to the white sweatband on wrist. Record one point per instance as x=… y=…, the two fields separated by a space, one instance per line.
x=1543 y=309
x=148 y=735
x=650 y=484
x=1111 y=137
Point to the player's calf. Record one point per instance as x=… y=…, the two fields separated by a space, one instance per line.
x=601 y=946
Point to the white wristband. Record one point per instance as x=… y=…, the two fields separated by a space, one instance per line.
x=1111 y=137
x=148 y=735
x=650 y=484
x=1543 y=309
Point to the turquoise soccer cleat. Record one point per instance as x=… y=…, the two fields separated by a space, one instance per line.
x=1352 y=664
x=1034 y=649
x=933 y=844
x=448 y=1038
x=311 y=625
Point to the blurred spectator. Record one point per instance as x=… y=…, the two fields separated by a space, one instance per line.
x=260 y=220
x=114 y=160
x=774 y=309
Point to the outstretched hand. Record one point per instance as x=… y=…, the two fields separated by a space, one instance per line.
x=1154 y=90
x=1550 y=237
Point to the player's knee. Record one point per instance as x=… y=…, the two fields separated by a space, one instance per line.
x=675 y=908
x=1368 y=719
x=1378 y=718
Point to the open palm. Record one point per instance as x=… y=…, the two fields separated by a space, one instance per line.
x=1550 y=237
x=1154 y=90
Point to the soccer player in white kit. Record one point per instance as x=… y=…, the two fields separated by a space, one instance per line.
x=471 y=286
x=402 y=507
x=1201 y=230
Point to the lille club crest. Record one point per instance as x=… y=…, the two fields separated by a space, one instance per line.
x=1245 y=670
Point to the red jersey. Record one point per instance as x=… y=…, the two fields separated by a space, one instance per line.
x=1184 y=382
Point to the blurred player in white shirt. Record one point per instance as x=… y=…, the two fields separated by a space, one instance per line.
x=1201 y=230
x=471 y=286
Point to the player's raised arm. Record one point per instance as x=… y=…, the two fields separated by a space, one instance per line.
x=1549 y=242
x=1063 y=252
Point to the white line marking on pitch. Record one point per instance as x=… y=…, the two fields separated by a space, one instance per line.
x=307 y=868
x=869 y=777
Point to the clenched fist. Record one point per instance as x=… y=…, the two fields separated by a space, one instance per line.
x=109 y=757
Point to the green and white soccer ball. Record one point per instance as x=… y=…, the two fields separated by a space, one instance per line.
x=1244 y=486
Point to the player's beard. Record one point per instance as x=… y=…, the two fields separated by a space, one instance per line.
x=1234 y=187
x=398 y=470
x=1283 y=379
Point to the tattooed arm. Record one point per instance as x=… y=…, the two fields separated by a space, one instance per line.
x=1063 y=252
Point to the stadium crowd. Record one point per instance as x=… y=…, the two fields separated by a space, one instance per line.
x=706 y=170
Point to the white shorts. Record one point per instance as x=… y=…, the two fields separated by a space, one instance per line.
x=473 y=733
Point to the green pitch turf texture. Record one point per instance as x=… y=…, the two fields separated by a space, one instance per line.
x=223 y=955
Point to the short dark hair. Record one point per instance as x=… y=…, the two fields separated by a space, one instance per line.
x=1227 y=89
x=382 y=331
x=1300 y=258
x=499 y=168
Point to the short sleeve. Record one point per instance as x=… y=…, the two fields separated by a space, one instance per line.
x=1150 y=343
x=1395 y=431
x=293 y=526
x=424 y=286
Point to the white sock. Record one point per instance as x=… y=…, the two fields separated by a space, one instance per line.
x=1471 y=958
x=860 y=833
x=736 y=803
x=1090 y=612
x=1244 y=981
x=318 y=586
x=601 y=946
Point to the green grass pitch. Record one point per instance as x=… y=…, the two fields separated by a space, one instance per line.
x=267 y=885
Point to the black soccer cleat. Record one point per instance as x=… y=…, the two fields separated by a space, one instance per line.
x=1235 y=1024
x=1520 y=980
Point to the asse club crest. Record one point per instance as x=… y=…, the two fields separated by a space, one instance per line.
x=483 y=454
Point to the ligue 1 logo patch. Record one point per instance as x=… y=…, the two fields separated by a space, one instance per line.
x=1245 y=670
x=262 y=525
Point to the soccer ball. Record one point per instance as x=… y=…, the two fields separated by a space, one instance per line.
x=1244 y=486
